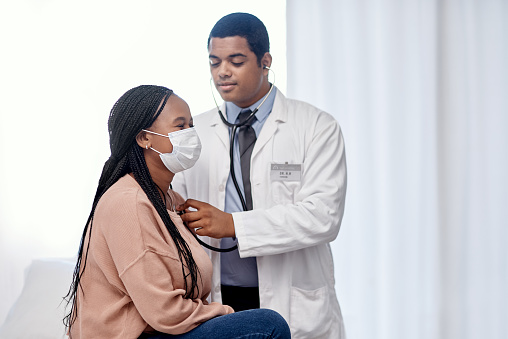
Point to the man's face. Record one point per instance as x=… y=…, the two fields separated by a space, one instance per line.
x=235 y=71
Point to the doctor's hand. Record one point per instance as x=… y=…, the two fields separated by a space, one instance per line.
x=207 y=220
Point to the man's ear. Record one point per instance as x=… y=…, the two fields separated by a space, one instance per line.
x=143 y=140
x=266 y=61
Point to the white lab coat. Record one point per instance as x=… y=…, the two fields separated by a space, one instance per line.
x=292 y=222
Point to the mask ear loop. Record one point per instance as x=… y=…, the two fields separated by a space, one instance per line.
x=162 y=135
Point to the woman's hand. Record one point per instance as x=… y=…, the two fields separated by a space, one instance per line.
x=207 y=220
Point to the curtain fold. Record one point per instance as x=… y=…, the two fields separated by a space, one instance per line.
x=420 y=90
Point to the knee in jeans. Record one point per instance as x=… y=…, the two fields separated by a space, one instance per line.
x=272 y=318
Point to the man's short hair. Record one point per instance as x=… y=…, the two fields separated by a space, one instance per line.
x=247 y=26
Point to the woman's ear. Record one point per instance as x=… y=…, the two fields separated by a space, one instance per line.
x=143 y=140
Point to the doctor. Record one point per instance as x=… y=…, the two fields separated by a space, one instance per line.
x=293 y=187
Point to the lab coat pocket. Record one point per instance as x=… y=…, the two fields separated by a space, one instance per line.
x=309 y=314
x=284 y=192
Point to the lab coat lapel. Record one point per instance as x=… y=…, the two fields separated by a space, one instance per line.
x=220 y=129
x=278 y=115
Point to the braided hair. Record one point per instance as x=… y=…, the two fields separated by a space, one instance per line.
x=136 y=110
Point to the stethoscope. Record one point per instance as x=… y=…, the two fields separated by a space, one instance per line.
x=231 y=152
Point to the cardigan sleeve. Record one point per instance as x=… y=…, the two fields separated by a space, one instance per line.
x=162 y=305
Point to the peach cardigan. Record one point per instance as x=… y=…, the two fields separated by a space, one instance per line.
x=133 y=281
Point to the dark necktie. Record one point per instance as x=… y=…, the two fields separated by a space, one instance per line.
x=246 y=141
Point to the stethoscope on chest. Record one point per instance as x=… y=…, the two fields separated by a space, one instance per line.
x=234 y=128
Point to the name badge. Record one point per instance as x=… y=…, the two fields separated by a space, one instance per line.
x=285 y=172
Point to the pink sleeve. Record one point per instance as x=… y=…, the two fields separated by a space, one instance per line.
x=161 y=305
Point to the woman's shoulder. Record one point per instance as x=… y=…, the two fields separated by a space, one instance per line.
x=123 y=197
x=125 y=189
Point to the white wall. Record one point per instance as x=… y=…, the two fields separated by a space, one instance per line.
x=63 y=64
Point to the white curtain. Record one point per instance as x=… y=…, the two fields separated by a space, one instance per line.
x=420 y=88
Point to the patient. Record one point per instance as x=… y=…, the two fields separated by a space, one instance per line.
x=140 y=272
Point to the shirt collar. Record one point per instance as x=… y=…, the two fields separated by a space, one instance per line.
x=232 y=110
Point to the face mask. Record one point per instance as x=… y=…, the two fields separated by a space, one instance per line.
x=186 y=149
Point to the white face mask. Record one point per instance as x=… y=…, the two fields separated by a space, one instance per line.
x=186 y=149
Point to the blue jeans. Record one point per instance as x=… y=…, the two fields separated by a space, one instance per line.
x=250 y=324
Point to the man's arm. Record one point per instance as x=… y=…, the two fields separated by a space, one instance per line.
x=316 y=214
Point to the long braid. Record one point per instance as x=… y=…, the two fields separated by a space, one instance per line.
x=137 y=109
x=145 y=181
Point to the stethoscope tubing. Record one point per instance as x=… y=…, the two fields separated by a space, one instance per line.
x=235 y=182
x=234 y=127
